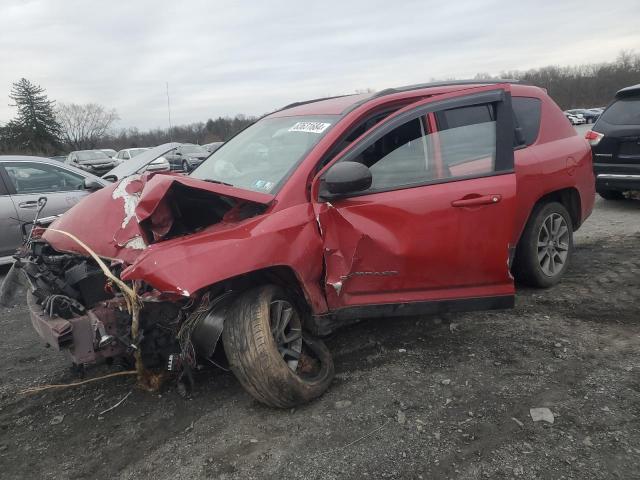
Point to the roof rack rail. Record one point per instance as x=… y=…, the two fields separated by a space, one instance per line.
x=305 y=102
x=418 y=86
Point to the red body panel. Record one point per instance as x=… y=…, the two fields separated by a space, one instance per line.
x=395 y=247
x=438 y=251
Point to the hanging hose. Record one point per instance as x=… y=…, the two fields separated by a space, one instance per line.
x=145 y=379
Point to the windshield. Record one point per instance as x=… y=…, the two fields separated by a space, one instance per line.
x=193 y=149
x=136 y=151
x=623 y=112
x=260 y=157
x=92 y=155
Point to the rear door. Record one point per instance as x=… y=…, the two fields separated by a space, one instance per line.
x=10 y=232
x=433 y=232
x=27 y=181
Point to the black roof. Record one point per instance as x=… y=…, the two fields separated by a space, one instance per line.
x=628 y=91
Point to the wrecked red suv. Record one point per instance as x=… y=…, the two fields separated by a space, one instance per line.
x=413 y=200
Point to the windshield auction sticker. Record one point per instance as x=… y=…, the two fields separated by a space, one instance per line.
x=310 y=127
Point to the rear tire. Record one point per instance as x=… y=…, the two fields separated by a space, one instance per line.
x=262 y=360
x=611 y=194
x=546 y=246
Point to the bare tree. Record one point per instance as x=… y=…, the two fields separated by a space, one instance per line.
x=84 y=125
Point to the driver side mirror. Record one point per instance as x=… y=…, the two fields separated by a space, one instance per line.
x=347 y=177
x=91 y=184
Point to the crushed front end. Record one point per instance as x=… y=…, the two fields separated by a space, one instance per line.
x=74 y=307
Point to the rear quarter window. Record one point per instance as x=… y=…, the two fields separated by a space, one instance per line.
x=625 y=111
x=527 y=115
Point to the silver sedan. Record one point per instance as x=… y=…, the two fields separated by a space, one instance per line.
x=23 y=180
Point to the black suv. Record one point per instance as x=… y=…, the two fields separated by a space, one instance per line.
x=615 y=141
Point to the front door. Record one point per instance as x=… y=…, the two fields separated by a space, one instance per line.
x=435 y=226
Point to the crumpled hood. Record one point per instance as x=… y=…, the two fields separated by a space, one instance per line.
x=121 y=220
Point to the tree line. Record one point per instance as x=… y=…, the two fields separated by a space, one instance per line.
x=42 y=127
x=582 y=86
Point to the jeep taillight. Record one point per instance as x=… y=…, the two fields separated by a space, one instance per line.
x=593 y=137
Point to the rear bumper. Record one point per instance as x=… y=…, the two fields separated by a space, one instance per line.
x=617 y=181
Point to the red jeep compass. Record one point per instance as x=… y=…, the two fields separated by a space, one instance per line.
x=412 y=200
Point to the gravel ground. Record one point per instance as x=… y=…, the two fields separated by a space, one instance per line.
x=412 y=398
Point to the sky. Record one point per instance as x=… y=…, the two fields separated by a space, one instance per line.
x=251 y=57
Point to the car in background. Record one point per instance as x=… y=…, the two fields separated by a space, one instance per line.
x=588 y=115
x=615 y=142
x=187 y=157
x=59 y=158
x=212 y=147
x=574 y=119
x=92 y=161
x=129 y=153
x=24 y=180
x=150 y=160
x=109 y=151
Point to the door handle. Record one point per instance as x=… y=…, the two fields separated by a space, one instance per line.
x=475 y=200
x=28 y=204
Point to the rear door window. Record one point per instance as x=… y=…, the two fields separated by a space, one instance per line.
x=625 y=111
x=527 y=116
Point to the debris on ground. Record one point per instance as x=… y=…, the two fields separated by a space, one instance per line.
x=541 y=414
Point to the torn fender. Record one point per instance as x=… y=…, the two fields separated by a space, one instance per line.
x=188 y=264
x=119 y=221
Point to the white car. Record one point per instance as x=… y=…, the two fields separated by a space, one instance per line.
x=129 y=153
x=575 y=119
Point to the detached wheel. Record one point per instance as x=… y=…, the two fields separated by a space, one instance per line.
x=270 y=355
x=545 y=247
x=185 y=166
x=611 y=194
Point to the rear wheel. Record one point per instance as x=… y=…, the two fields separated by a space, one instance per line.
x=270 y=355
x=545 y=247
x=611 y=194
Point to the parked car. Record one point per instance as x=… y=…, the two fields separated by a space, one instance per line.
x=59 y=158
x=186 y=157
x=92 y=161
x=212 y=147
x=615 y=140
x=588 y=115
x=23 y=180
x=111 y=153
x=412 y=200
x=150 y=160
x=575 y=119
x=129 y=153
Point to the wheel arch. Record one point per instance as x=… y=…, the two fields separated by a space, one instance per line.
x=282 y=275
x=569 y=197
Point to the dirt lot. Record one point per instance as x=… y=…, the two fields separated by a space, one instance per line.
x=411 y=399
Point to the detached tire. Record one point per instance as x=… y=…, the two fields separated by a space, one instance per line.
x=546 y=246
x=611 y=194
x=277 y=363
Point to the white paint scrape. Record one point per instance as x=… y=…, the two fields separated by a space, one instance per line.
x=136 y=243
x=130 y=200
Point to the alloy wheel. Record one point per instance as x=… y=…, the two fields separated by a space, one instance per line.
x=286 y=329
x=553 y=244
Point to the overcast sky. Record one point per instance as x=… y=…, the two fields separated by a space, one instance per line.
x=228 y=57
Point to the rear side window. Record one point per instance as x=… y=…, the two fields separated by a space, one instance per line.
x=464 y=116
x=623 y=112
x=527 y=115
